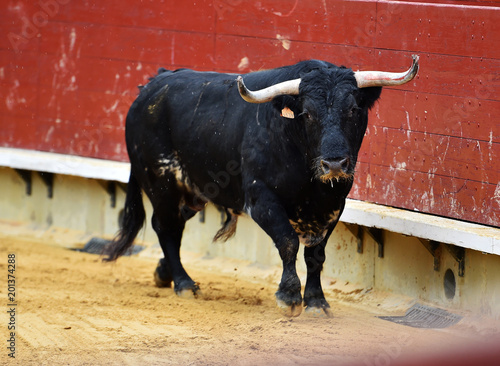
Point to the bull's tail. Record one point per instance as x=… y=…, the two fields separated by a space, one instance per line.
x=133 y=220
x=228 y=229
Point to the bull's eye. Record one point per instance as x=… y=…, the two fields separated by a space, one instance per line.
x=352 y=111
x=306 y=114
x=351 y=106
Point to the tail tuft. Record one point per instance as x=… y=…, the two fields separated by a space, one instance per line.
x=228 y=229
x=133 y=220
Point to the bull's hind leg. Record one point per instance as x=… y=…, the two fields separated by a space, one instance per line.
x=168 y=222
x=170 y=268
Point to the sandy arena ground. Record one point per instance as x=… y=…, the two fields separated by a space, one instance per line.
x=74 y=310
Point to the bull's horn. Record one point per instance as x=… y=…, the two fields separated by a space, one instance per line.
x=290 y=87
x=381 y=78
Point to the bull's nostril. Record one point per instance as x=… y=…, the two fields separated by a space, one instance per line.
x=325 y=167
x=335 y=166
x=344 y=164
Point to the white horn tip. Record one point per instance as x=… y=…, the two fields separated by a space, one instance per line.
x=244 y=92
x=380 y=78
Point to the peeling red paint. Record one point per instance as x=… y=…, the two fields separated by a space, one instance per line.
x=433 y=145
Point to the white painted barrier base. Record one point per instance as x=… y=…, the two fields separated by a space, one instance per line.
x=468 y=235
x=64 y=164
x=464 y=234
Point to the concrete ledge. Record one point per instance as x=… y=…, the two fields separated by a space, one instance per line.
x=464 y=234
x=64 y=164
x=473 y=236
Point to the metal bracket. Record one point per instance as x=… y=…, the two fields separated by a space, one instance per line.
x=458 y=253
x=434 y=248
x=376 y=234
x=48 y=179
x=110 y=187
x=357 y=231
x=123 y=186
x=26 y=177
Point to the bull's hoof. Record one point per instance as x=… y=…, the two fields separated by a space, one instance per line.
x=162 y=275
x=317 y=307
x=289 y=311
x=188 y=293
x=318 y=312
x=290 y=305
x=161 y=283
x=187 y=289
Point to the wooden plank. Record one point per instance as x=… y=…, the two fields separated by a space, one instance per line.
x=18 y=99
x=18 y=66
x=18 y=83
x=468 y=117
x=20 y=23
x=65 y=137
x=448 y=75
x=189 y=15
x=83 y=139
x=109 y=76
x=83 y=123
x=19 y=131
x=482 y=3
x=257 y=53
x=432 y=154
x=437 y=136
x=103 y=110
x=336 y=22
x=440 y=195
x=452 y=29
x=439 y=74
x=145 y=45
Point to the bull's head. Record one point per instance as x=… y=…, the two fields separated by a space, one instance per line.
x=332 y=103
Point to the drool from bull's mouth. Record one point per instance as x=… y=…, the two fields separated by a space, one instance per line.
x=264 y=167
x=331 y=178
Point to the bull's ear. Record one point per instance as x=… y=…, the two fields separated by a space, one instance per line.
x=368 y=96
x=287 y=102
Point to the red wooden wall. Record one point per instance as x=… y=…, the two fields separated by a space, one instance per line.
x=69 y=70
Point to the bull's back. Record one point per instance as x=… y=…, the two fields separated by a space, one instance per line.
x=197 y=118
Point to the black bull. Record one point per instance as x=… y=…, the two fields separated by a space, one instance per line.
x=284 y=154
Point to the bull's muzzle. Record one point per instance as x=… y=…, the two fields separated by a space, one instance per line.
x=335 y=169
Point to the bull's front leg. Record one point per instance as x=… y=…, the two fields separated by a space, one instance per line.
x=314 y=299
x=288 y=296
x=266 y=210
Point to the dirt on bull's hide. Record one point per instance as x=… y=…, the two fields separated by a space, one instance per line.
x=74 y=310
